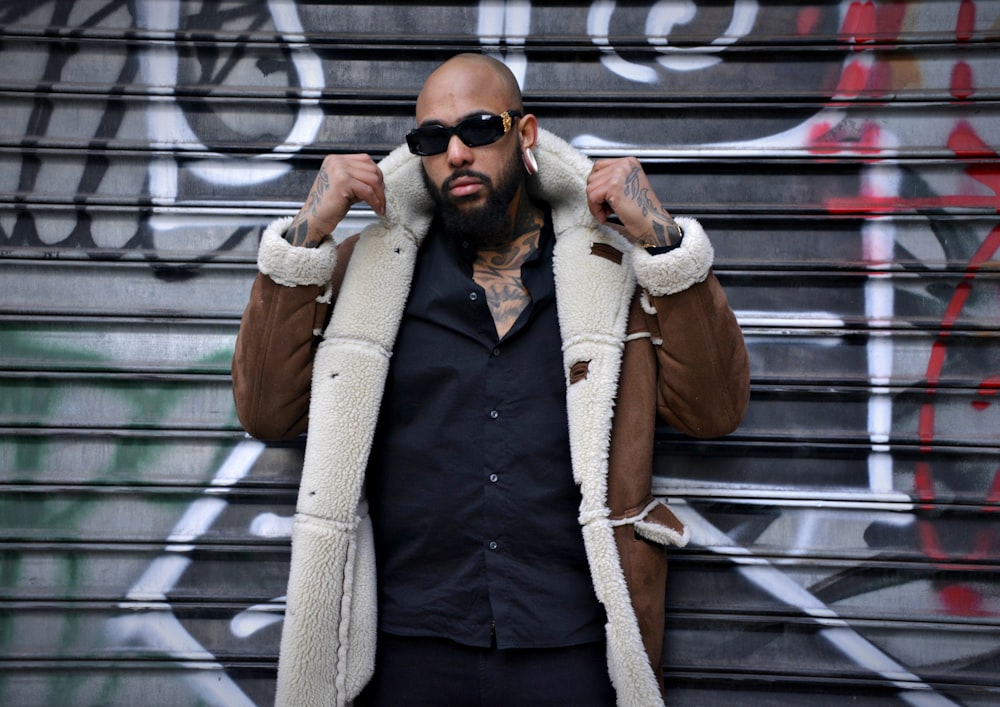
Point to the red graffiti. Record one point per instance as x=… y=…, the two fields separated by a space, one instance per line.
x=807 y=21
x=865 y=25
x=966 y=20
x=866 y=22
x=988 y=388
x=961 y=81
x=957 y=598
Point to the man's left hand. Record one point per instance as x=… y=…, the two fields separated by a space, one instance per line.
x=621 y=187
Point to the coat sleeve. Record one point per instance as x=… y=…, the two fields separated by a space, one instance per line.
x=289 y=305
x=703 y=378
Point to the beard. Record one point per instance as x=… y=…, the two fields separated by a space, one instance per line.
x=487 y=225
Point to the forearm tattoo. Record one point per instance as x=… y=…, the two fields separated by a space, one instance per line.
x=320 y=187
x=637 y=193
x=664 y=229
x=298 y=232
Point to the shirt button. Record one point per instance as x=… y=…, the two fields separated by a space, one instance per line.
x=494 y=478
x=496 y=351
x=473 y=296
x=494 y=414
x=493 y=545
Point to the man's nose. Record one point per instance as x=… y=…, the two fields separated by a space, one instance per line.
x=458 y=152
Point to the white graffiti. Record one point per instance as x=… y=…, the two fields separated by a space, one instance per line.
x=762 y=573
x=662 y=18
x=503 y=27
x=150 y=621
x=169 y=127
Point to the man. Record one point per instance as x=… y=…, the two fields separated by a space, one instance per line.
x=486 y=363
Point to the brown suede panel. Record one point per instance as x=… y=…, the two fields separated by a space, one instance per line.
x=698 y=381
x=645 y=567
x=630 y=482
x=607 y=251
x=272 y=361
x=579 y=371
x=631 y=455
x=704 y=370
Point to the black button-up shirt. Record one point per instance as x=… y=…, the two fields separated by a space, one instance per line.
x=470 y=481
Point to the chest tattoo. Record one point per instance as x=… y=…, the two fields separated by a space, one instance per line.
x=499 y=274
x=505 y=293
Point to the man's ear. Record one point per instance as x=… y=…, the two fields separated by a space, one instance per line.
x=527 y=128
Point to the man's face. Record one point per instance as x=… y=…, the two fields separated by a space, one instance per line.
x=482 y=218
x=473 y=187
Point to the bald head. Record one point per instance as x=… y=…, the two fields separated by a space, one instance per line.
x=469 y=80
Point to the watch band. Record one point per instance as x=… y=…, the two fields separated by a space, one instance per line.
x=675 y=234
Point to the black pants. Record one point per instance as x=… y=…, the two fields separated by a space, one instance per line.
x=434 y=672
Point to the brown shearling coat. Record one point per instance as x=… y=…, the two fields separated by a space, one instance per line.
x=682 y=358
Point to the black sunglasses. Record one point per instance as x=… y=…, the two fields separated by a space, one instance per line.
x=476 y=131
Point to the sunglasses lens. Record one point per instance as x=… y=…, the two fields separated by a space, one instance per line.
x=481 y=130
x=431 y=140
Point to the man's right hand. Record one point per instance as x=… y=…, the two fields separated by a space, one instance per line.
x=343 y=180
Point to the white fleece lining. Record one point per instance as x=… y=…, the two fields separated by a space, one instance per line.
x=678 y=269
x=360 y=629
x=594 y=329
x=328 y=640
x=647 y=307
x=291 y=265
x=629 y=520
x=326 y=297
x=308 y=673
x=329 y=636
x=661 y=534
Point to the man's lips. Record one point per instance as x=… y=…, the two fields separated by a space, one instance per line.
x=464 y=186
